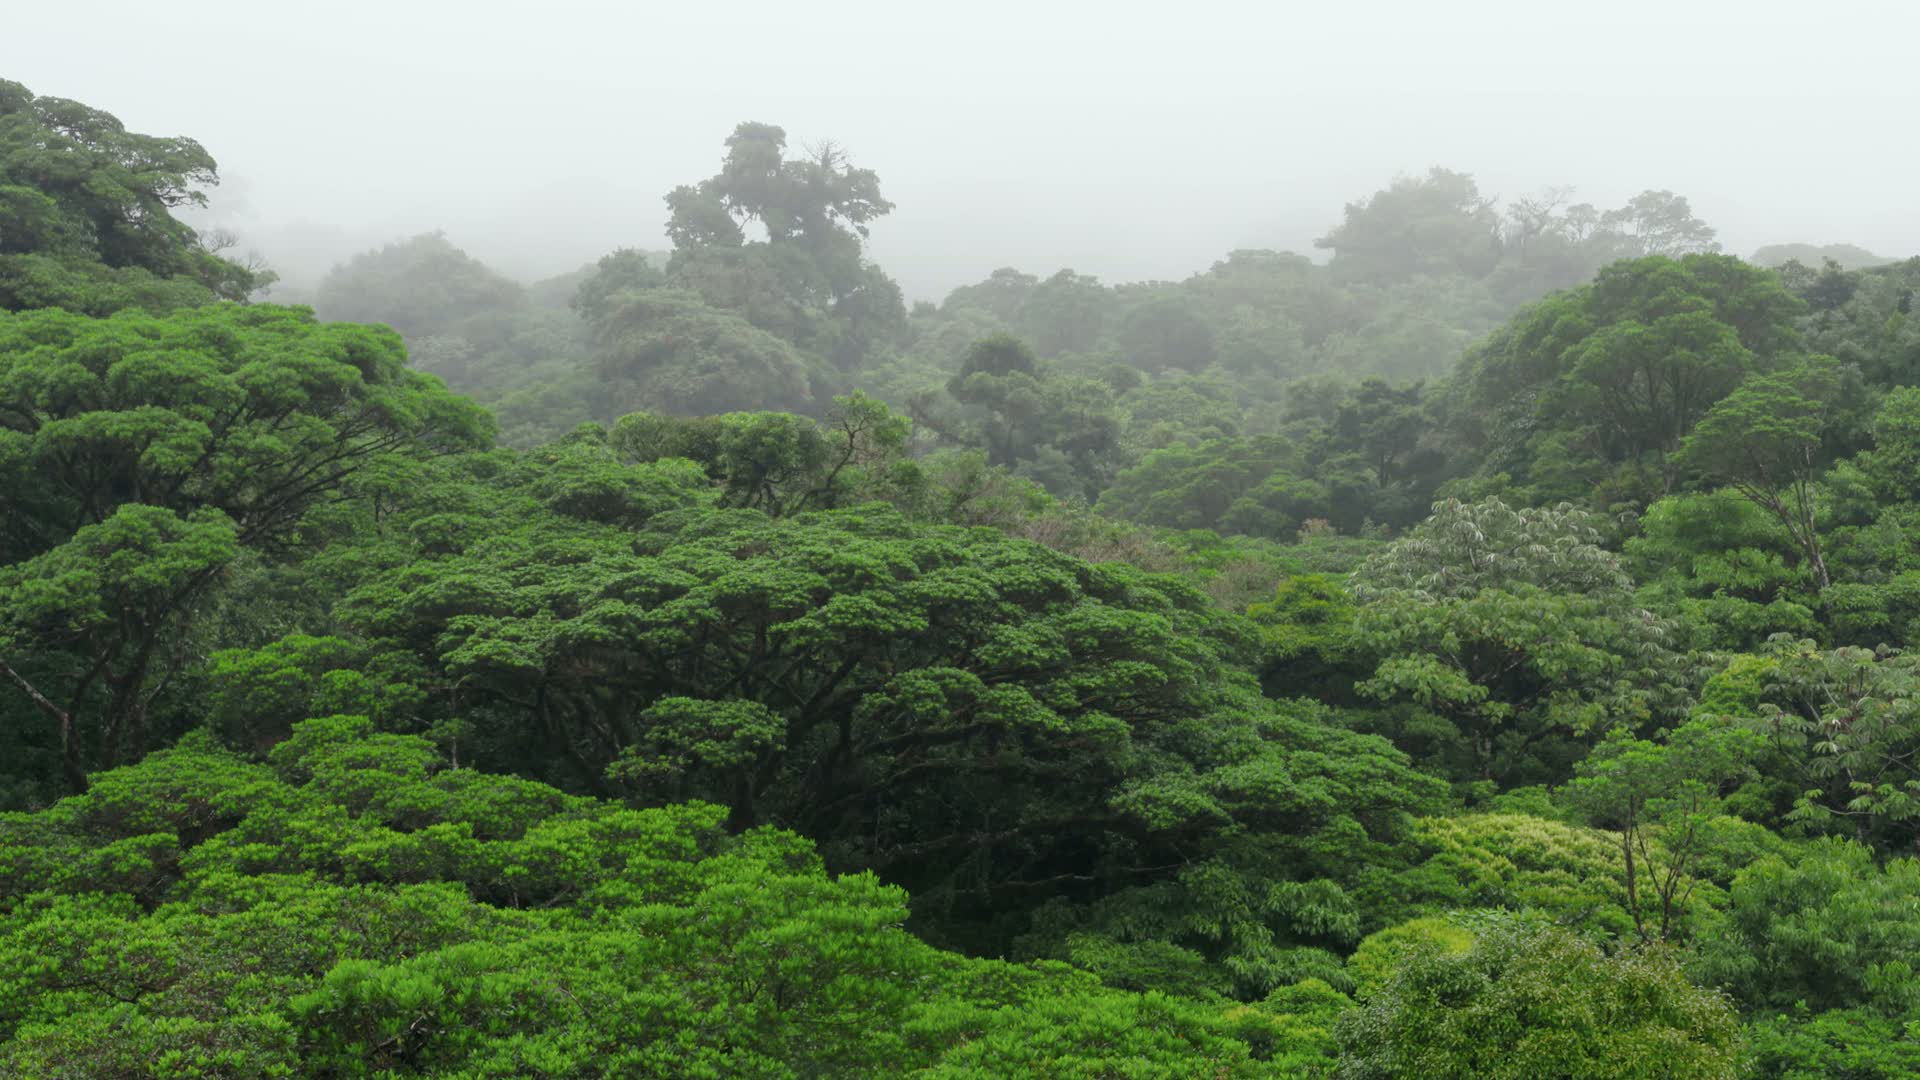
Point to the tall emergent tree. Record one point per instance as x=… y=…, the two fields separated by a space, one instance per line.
x=809 y=280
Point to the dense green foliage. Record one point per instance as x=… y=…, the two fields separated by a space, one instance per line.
x=1506 y=636
x=86 y=213
x=142 y=456
x=1485 y=653
x=354 y=907
x=1531 y=1001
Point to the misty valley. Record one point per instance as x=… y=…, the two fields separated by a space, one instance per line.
x=1476 y=647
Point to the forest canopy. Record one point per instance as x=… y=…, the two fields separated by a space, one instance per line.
x=1481 y=651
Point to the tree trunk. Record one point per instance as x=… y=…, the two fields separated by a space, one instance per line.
x=71 y=761
x=1633 y=879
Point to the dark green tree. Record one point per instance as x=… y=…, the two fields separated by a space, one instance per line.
x=1028 y=415
x=779 y=463
x=1599 y=387
x=983 y=719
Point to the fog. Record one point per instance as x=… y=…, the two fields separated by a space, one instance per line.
x=1125 y=141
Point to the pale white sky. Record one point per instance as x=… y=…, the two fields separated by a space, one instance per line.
x=1125 y=140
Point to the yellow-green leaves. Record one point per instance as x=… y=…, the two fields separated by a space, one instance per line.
x=1533 y=1001
x=370 y=911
